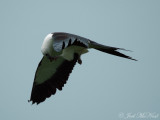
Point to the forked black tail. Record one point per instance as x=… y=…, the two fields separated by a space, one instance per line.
x=109 y=50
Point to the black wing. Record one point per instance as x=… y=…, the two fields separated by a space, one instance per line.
x=49 y=77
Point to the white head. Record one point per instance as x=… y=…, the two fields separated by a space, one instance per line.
x=47 y=46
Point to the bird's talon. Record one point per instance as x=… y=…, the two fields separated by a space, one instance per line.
x=80 y=61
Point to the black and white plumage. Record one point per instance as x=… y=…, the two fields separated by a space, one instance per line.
x=61 y=51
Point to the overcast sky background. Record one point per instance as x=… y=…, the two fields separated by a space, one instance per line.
x=104 y=85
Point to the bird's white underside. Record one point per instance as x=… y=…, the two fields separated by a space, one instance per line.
x=67 y=53
x=48 y=68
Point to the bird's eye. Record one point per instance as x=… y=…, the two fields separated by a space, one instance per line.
x=47 y=55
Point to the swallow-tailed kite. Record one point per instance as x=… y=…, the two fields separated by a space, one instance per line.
x=61 y=51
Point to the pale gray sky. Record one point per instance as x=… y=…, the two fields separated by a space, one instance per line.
x=104 y=85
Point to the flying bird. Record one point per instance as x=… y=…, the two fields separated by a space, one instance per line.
x=61 y=51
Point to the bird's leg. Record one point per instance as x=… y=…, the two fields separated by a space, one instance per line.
x=79 y=60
